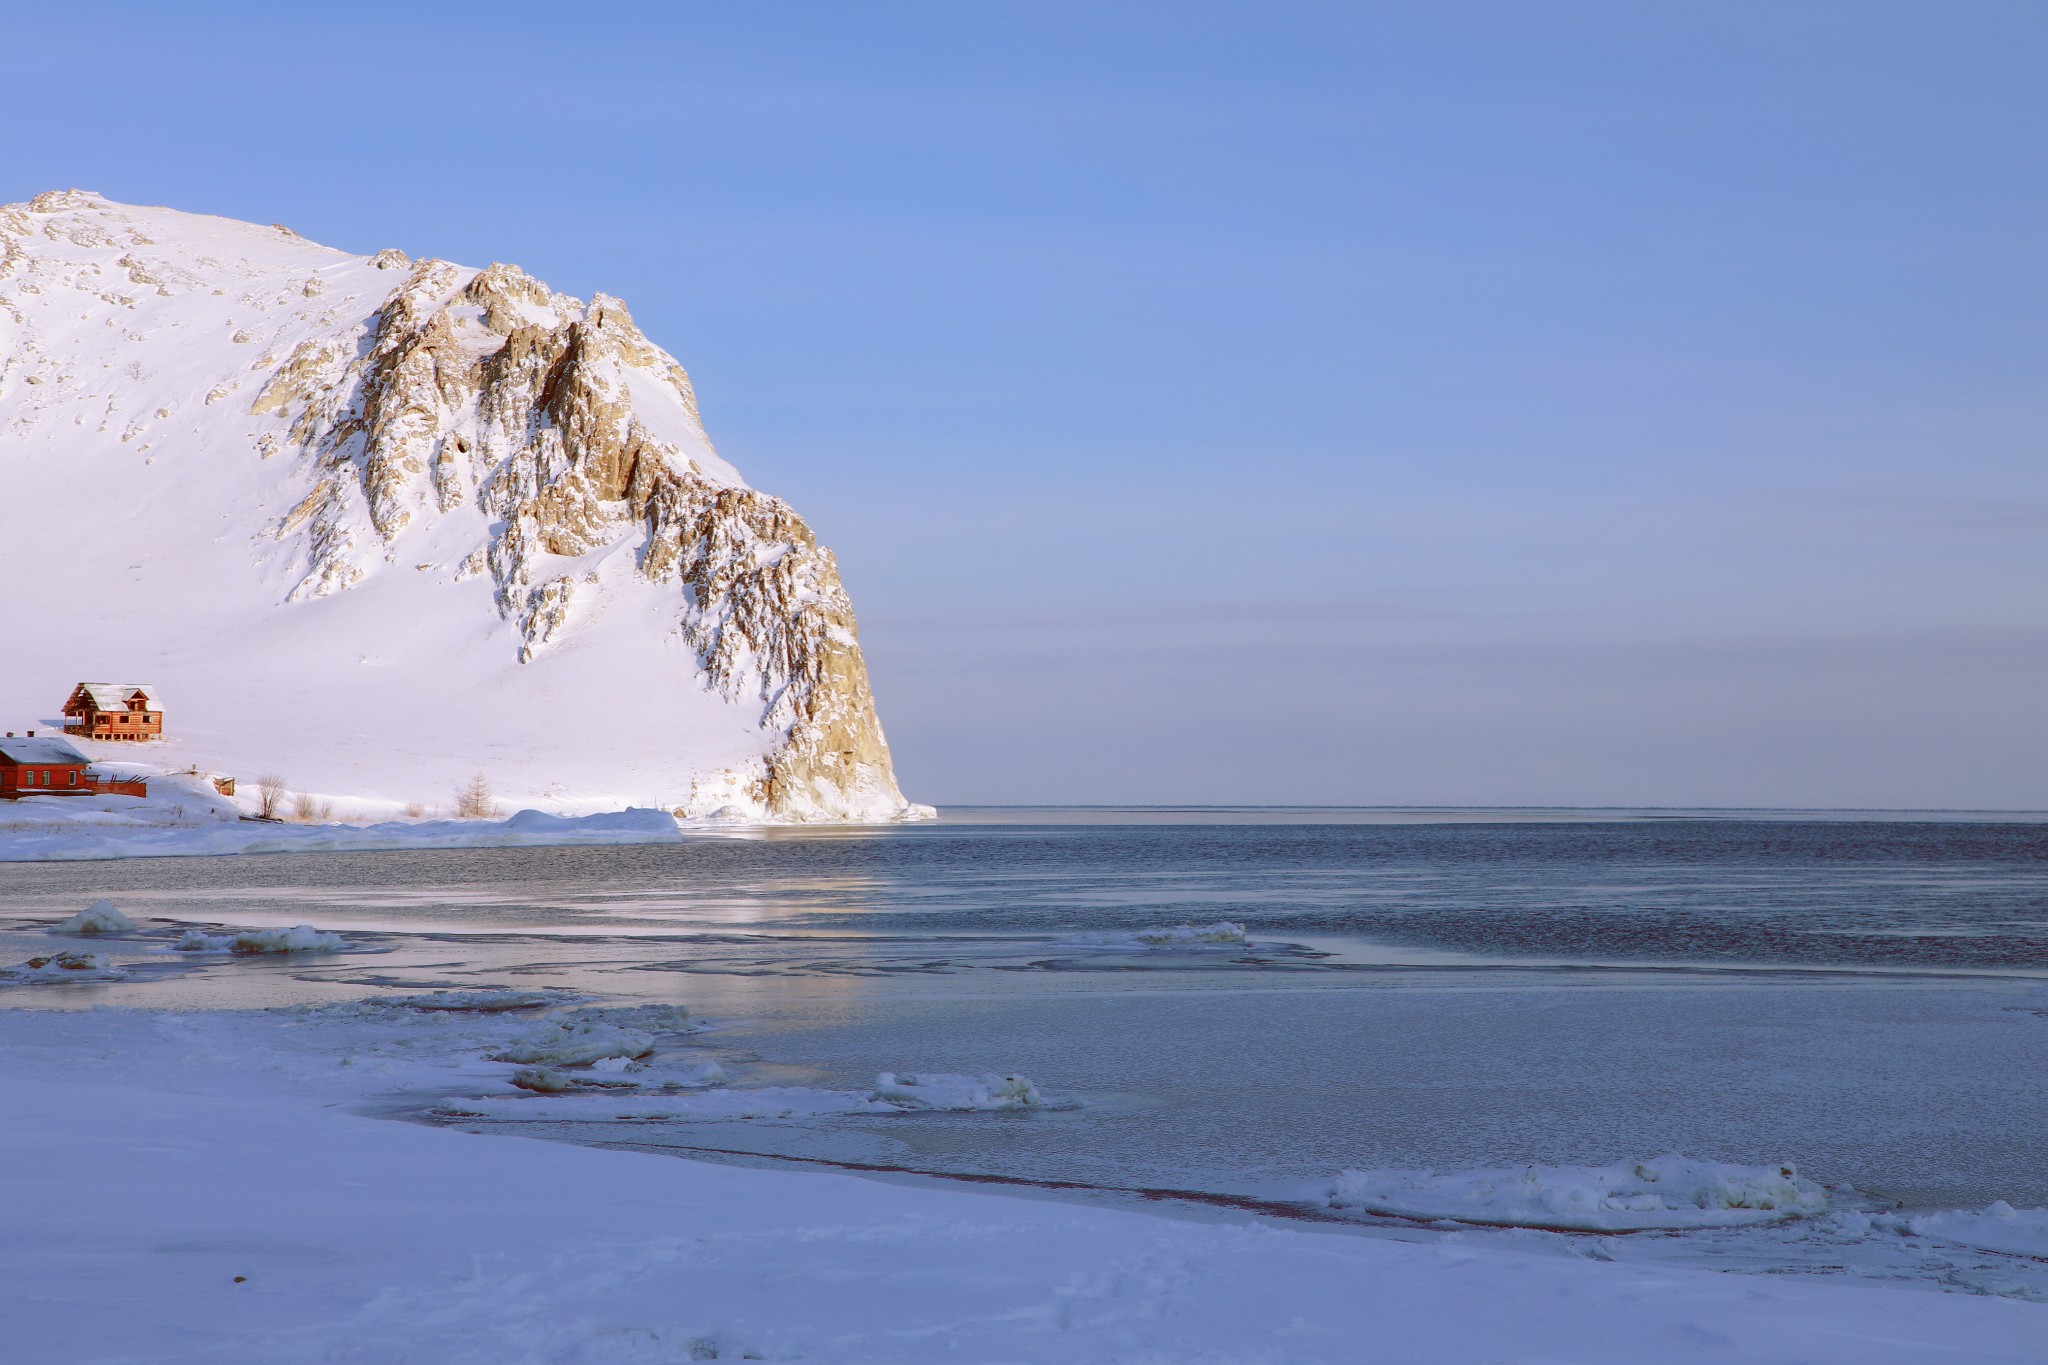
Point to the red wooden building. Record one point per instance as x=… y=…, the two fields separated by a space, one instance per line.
x=41 y=767
x=46 y=766
x=113 y=711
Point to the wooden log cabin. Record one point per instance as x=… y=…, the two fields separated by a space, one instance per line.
x=113 y=711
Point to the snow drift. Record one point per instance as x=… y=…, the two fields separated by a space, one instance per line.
x=377 y=524
x=101 y=917
x=2000 y=1227
x=1628 y=1196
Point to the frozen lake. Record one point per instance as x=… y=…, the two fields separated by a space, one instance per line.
x=1448 y=990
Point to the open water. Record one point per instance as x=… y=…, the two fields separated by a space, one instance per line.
x=1452 y=989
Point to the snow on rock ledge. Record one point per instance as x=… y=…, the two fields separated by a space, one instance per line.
x=374 y=486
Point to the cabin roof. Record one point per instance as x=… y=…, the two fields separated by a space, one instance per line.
x=114 y=696
x=41 y=749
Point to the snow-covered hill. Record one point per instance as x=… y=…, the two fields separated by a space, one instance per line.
x=377 y=524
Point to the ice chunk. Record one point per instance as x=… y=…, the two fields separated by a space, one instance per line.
x=300 y=938
x=101 y=917
x=1223 y=933
x=64 y=966
x=607 y=1074
x=2000 y=1227
x=579 y=1042
x=651 y=1018
x=1665 y=1192
x=939 y=1091
x=478 y=1002
x=545 y=1080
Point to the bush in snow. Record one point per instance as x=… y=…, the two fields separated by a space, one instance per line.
x=270 y=794
x=101 y=917
x=474 y=801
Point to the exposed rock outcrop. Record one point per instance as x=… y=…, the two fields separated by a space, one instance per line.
x=489 y=389
x=540 y=436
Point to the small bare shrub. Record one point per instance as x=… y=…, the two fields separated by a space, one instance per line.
x=414 y=810
x=302 y=806
x=323 y=812
x=270 y=799
x=474 y=801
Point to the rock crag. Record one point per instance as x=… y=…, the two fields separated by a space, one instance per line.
x=467 y=424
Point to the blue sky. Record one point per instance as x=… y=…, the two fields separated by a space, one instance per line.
x=1432 y=403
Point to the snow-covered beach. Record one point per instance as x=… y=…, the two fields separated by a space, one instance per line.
x=448 y=1104
x=215 y=1168
x=81 y=829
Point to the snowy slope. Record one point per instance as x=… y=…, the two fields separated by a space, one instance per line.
x=375 y=525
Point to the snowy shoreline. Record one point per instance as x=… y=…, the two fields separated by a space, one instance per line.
x=39 y=837
x=170 y=1152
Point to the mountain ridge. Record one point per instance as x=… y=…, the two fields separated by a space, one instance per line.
x=502 y=491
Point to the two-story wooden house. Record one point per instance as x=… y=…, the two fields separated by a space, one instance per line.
x=113 y=711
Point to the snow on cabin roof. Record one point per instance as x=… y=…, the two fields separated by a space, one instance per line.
x=41 y=749
x=114 y=696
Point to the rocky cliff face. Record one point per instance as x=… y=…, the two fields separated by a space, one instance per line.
x=486 y=426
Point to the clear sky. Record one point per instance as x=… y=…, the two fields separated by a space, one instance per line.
x=1386 y=403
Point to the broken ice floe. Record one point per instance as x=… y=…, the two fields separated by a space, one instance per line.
x=300 y=938
x=2000 y=1227
x=63 y=966
x=1222 y=934
x=478 y=1002
x=609 y=1075
x=937 y=1091
x=585 y=1097
x=101 y=917
x=575 y=1042
x=1667 y=1192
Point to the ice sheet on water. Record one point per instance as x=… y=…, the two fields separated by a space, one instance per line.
x=300 y=938
x=101 y=917
x=493 y=1001
x=62 y=967
x=770 y=1102
x=2000 y=1227
x=610 y=1074
x=909 y=1090
x=1628 y=1196
x=651 y=1018
x=1222 y=934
